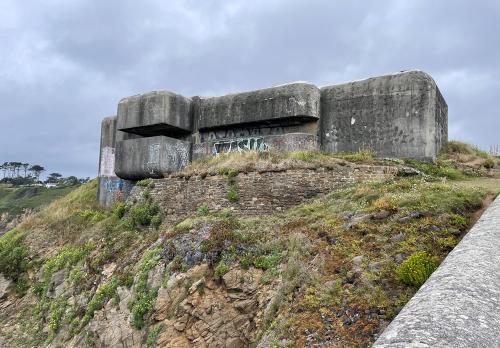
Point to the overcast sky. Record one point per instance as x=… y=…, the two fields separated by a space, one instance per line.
x=65 y=64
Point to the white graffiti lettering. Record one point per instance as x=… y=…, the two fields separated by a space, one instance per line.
x=240 y=145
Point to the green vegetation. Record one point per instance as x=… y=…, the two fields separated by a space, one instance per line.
x=119 y=210
x=153 y=335
x=57 y=309
x=149 y=183
x=16 y=200
x=102 y=295
x=359 y=252
x=221 y=269
x=144 y=299
x=203 y=210
x=68 y=256
x=417 y=268
x=13 y=254
x=142 y=213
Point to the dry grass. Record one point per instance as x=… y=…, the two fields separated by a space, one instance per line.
x=250 y=161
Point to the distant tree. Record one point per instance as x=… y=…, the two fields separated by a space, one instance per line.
x=70 y=181
x=37 y=170
x=53 y=178
x=4 y=168
x=84 y=180
x=25 y=167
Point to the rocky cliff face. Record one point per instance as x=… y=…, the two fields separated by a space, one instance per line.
x=329 y=272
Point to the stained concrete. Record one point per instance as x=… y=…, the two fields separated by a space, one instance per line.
x=399 y=115
x=106 y=158
x=459 y=304
x=110 y=188
x=155 y=113
x=287 y=103
x=283 y=143
x=151 y=157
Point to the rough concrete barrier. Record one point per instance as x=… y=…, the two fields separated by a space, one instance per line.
x=459 y=305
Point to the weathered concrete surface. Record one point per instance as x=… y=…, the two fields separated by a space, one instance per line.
x=110 y=188
x=151 y=157
x=399 y=115
x=459 y=305
x=284 y=143
x=155 y=113
x=106 y=159
x=289 y=103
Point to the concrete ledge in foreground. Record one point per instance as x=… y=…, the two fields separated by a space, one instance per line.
x=459 y=305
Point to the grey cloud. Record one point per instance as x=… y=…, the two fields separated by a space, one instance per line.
x=64 y=65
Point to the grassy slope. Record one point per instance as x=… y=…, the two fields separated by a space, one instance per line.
x=308 y=252
x=14 y=200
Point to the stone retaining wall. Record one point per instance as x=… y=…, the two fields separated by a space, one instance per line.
x=459 y=304
x=259 y=193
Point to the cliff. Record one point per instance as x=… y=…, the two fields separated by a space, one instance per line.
x=332 y=268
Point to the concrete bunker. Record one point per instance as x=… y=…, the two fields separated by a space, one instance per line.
x=158 y=133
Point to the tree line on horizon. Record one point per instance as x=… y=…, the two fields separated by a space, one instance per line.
x=19 y=173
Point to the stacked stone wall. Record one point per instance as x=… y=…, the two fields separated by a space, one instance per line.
x=258 y=193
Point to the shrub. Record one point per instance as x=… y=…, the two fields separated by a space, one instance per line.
x=156 y=221
x=221 y=269
x=67 y=256
x=145 y=183
x=416 y=268
x=142 y=213
x=222 y=235
x=144 y=299
x=232 y=194
x=142 y=305
x=489 y=163
x=93 y=216
x=266 y=262
x=57 y=309
x=103 y=294
x=119 y=210
x=153 y=335
x=13 y=254
x=203 y=209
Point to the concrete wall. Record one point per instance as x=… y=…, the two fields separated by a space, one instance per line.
x=400 y=115
x=288 y=103
x=151 y=157
x=286 y=143
x=110 y=188
x=155 y=113
x=459 y=304
x=259 y=193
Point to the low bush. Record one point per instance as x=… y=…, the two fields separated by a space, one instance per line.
x=119 y=210
x=143 y=213
x=103 y=294
x=232 y=194
x=13 y=254
x=416 y=268
x=266 y=262
x=145 y=183
x=221 y=269
x=203 y=209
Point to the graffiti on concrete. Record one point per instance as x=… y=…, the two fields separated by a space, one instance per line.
x=107 y=167
x=241 y=133
x=153 y=158
x=240 y=145
x=113 y=184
